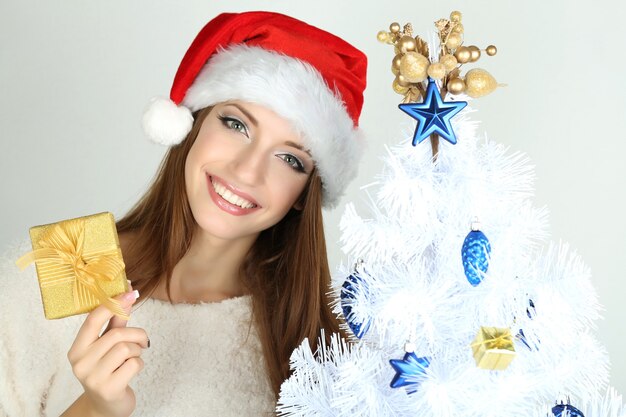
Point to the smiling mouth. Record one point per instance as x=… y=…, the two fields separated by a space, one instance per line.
x=231 y=197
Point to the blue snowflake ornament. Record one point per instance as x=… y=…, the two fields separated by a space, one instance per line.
x=433 y=115
x=409 y=371
x=475 y=254
x=353 y=289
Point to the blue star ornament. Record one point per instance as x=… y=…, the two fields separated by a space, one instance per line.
x=409 y=370
x=566 y=410
x=433 y=115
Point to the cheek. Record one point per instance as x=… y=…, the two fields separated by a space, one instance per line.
x=206 y=148
x=286 y=189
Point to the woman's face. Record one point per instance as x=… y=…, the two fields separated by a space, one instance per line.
x=245 y=170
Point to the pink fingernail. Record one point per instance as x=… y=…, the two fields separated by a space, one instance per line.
x=131 y=296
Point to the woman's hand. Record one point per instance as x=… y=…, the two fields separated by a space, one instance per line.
x=105 y=365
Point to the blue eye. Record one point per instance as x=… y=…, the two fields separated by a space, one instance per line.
x=292 y=161
x=234 y=124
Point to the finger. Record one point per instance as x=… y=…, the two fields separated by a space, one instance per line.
x=118 y=335
x=103 y=345
x=116 y=357
x=126 y=372
x=119 y=321
x=89 y=332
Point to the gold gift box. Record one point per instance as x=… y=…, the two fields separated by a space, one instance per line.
x=62 y=293
x=493 y=348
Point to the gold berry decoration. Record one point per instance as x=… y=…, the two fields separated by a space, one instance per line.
x=449 y=61
x=463 y=55
x=436 y=71
x=456 y=86
x=414 y=66
x=395 y=64
x=454 y=40
x=479 y=83
x=474 y=53
x=399 y=88
x=407 y=44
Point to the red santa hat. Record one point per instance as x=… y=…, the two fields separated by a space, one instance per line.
x=308 y=76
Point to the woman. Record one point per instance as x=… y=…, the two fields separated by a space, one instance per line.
x=227 y=246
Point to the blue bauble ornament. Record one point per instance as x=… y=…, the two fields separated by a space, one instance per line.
x=475 y=253
x=433 y=115
x=409 y=371
x=353 y=288
x=566 y=410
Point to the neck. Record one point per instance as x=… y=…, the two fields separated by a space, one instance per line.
x=209 y=271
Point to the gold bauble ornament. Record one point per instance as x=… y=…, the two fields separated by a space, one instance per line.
x=479 y=83
x=413 y=67
x=455 y=86
x=436 y=71
x=399 y=88
x=454 y=40
x=474 y=53
x=449 y=61
x=407 y=44
x=394 y=27
x=458 y=28
x=456 y=16
x=395 y=64
x=382 y=36
x=463 y=55
x=491 y=50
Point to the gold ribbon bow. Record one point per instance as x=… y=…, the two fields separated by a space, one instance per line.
x=503 y=341
x=62 y=247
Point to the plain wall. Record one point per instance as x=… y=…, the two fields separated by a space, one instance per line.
x=76 y=75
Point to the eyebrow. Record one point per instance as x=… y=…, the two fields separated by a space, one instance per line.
x=298 y=146
x=246 y=113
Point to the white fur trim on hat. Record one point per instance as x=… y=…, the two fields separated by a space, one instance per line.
x=293 y=89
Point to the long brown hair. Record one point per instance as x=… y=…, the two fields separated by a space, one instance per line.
x=286 y=270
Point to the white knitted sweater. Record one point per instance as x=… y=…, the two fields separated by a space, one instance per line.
x=204 y=360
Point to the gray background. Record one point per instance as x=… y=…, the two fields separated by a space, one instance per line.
x=75 y=76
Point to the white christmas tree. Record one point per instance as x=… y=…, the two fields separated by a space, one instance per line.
x=419 y=297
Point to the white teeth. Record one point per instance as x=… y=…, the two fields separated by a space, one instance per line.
x=230 y=197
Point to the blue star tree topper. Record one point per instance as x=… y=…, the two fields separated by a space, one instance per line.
x=433 y=115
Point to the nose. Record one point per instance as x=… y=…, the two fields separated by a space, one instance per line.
x=249 y=165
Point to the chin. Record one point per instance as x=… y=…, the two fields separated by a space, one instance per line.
x=216 y=226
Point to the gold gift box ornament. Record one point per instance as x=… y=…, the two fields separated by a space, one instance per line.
x=79 y=265
x=493 y=348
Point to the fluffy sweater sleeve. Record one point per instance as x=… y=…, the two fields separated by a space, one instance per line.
x=32 y=348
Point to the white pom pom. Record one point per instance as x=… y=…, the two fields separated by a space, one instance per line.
x=166 y=123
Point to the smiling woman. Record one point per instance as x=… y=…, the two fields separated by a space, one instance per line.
x=226 y=248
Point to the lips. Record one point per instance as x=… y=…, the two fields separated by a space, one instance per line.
x=230 y=199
